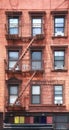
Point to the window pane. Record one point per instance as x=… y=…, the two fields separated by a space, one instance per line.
x=16 y=119
x=59 y=65
x=36 y=55
x=13 y=55
x=61 y=119
x=35 y=99
x=13 y=90
x=35 y=90
x=59 y=20
x=13 y=30
x=36 y=31
x=12 y=99
x=13 y=22
x=36 y=65
x=11 y=65
x=59 y=26
x=58 y=88
x=22 y=119
x=59 y=53
x=36 y=22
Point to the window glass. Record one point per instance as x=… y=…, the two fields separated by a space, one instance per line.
x=58 y=94
x=36 y=99
x=59 y=57
x=12 y=99
x=13 y=57
x=35 y=94
x=59 y=26
x=36 y=90
x=13 y=54
x=36 y=26
x=13 y=25
x=13 y=90
x=36 y=55
x=36 y=22
x=13 y=93
x=36 y=60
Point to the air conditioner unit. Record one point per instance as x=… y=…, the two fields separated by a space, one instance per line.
x=59 y=33
x=59 y=67
x=58 y=102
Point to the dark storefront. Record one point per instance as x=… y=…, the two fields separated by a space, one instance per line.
x=36 y=121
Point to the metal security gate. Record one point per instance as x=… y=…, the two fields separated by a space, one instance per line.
x=28 y=127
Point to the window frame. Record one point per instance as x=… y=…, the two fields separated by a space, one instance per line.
x=9 y=28
x=12 y=48
x=59 y=60
x=13 y=81
x=60 y=14
x=36 y=94
x=60 y=48
x=59 y=26
x=41 y=28
x=62 y=95
x=13 y=14
x=41 y=61
x=12 y=85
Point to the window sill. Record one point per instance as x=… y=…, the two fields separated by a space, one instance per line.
x=59 y=37
x=15 y=71
x=59 y=70
x=16 y=107
x=13 y=37
x=46 y=105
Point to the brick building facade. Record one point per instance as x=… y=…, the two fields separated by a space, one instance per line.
x=34 y=64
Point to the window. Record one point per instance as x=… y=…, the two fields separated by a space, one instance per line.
x=59 y=59
x=13 y=56
x=59 y=26
x=58 y=94
x=61 y=122
x=13 y=93
x=35 y=94
x=40 y=119
x=36 y=62
x=13 y=25
x=19 y=119
x=36 y=26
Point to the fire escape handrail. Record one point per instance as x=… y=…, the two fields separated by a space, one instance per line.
x=25 y=87
x=23 y=53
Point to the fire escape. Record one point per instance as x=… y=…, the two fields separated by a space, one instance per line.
x=18 y=106
x=11 y=73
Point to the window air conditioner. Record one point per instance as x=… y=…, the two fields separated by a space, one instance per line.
x=59 y=67
x=59 y=33
x=58 y=102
